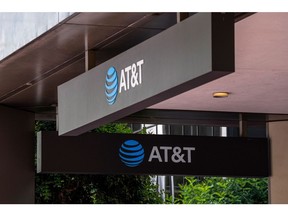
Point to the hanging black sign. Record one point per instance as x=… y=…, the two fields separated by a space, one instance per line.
x=153 y=154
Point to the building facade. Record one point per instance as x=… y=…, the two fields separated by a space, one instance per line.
x=240 y=54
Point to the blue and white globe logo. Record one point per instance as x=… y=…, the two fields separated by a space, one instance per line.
x=131 y=153
x=111 y=86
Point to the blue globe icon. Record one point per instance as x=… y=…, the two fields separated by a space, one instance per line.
x=111 y=86
x=131 y=153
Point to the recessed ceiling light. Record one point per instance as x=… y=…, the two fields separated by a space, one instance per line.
x=220 y=94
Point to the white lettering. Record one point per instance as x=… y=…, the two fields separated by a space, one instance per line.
x=127 y=70
x=155 y=154
x=166 y=148
x=131 y=76
x=177 y=156
x=122 y=81
x=189 y=149
x=139 y=64
x=134 y=76
x=171 y=154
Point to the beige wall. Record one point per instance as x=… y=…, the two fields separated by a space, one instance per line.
x=278 y=133
x=16 y=156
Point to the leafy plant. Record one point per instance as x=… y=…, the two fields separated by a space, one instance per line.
x=216 y=190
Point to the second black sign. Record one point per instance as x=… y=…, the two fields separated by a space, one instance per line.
x=153 y=154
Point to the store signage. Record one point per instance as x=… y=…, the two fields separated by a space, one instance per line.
x=152 y=154
x=187 y=55
x=130 y=77
x=111 y=85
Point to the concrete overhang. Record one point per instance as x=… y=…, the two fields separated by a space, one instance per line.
x=29 y=77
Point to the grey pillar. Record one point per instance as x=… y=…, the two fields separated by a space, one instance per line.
x=90 y=59
x=16 y=156
x=278 y=184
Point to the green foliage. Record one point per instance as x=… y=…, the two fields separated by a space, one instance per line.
x=45 y=126
x=126 y=189
x=98 y=189
x=60 y=188
x=216 y=190
x=113 y=128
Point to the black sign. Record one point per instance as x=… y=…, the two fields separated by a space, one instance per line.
x=153 y=154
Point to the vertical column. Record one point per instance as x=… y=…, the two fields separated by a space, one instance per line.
x=90 y=55
x=90 y=59
x=16 y=156
x=243 y=128
x=278 y=187
x=182 y=16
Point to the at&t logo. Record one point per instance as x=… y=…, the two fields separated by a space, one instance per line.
x=131 y=153
x=111 y=85
x=130 y=77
